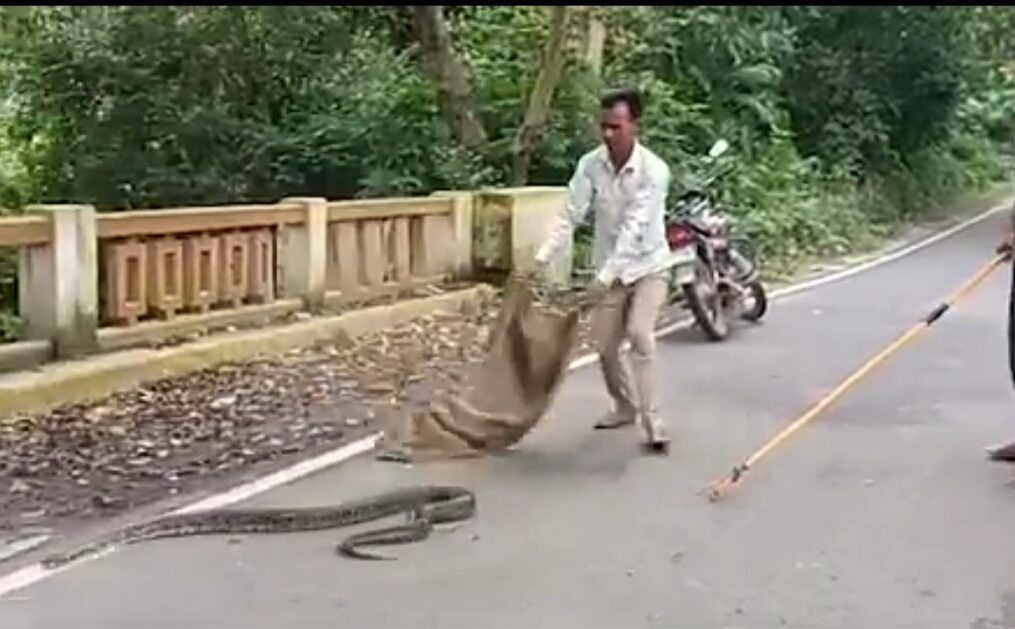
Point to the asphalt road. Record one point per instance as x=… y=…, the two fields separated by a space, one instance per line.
x=881 y=513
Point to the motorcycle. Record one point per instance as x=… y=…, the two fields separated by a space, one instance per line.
x=714 y=273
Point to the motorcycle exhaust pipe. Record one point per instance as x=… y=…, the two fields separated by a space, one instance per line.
x=745 y=268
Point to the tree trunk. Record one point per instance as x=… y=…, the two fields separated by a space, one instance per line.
x=589 y=48
x=448 y=72
x=591 y=39
x=530 y=133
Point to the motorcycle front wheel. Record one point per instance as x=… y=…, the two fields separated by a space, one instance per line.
x=706 y=303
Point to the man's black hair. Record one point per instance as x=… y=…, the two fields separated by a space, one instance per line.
x=629 y=96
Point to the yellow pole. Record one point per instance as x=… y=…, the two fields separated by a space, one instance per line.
x=717 y=488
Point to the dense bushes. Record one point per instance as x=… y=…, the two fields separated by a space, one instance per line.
x=844 y=120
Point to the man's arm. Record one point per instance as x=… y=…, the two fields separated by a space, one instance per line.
x=579 y=199
x=649 y=196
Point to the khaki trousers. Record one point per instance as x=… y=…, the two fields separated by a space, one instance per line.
x=630 y=311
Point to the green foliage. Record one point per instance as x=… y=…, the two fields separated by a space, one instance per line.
x=9 y=322
x=871 y=86
x=502 y=45
x=844 y=120
x=156 y=106
x=725 y=60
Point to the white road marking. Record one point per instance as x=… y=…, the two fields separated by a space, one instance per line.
x=35 y=573
x=283 y=476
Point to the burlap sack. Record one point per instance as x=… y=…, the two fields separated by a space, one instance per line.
x=500 y=400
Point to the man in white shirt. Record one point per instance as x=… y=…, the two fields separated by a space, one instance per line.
x=625 y=185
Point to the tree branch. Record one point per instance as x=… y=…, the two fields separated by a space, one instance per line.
x=537 y=113
x=448 y=72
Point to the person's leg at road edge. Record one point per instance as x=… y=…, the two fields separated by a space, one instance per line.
x=1005 y=452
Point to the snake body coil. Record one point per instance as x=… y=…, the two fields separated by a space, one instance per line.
x=426 y=505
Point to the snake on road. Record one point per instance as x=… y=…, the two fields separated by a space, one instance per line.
x=425 y=505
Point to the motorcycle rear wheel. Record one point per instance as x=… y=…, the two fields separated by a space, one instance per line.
x=759 y=305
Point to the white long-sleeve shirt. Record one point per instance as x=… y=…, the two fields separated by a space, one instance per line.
x=629 y=207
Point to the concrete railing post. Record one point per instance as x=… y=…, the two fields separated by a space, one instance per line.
x=58 y=282
x=462 y=229
x=303 y=254
x=512 y=223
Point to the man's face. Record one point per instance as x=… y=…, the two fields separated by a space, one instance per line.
x=618 y=129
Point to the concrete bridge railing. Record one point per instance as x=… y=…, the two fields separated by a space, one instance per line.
x=90 y=282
